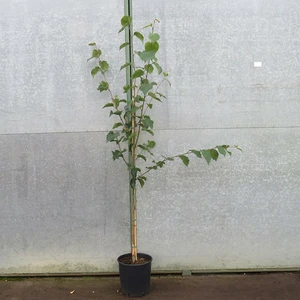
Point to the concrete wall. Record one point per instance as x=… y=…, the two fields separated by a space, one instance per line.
x=64 y=202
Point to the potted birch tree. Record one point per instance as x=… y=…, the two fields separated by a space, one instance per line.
x=132 y=111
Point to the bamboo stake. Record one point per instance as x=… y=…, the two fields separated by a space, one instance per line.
x=133 y=189
x=131 y=156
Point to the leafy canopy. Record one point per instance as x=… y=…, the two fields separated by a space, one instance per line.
x=133 y=114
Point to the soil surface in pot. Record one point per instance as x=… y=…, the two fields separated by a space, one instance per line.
x=128 y=260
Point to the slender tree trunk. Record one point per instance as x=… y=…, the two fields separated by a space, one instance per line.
x=134 y=226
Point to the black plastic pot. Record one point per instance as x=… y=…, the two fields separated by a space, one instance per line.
x=135 y=278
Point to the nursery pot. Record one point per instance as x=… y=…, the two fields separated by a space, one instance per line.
x=135 y=278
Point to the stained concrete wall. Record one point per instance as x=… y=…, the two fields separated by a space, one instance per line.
x=64 y=202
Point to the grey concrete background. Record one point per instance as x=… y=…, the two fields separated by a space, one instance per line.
x=64 y=202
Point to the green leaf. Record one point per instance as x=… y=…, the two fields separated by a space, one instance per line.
x=152 y=95
x=145 y=148
x=95 y=71
x=96 y=53
x=133 y=172
x=116 y=125
x=132 y=182
x=103 y=86
x=153 y=37
x=147 y=123
x=151 y=144
x=117 y=112
x=165 y=74
x=104 y=66
x=146 y=87
x=108 y=105
x=125 y=21
x=197 y=153
x=152 y=47
x=126 y=88
x=221 y=150
x=225 y=147
x=149 y=68
x=146 y=55
x=142 y=157
x=141 y=181
x=214 y=154
x=122 y=139
x=161 y=95
x=132 y=109
x=149 y=131
x=169 y=158
x=92 y=44
x=122 y=29
x=139 y=36
x=139 y=98
x=152 y=168
x=125 y=65
x=117 y=154
x=137 y=73
x=206 y=155
x=160 y=163
x=116 y=101
x=158 y=67
x=123 y=45
x=150 y=105
x=238 y=148
x=132 y=136
x=184 y=159
x=111 y=136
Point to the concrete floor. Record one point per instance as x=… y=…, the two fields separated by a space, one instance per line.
x=272 y=286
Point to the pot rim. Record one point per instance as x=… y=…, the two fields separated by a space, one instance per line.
x=135 y=265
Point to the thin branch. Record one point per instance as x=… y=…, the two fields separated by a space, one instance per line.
x=113 y=101
x=119 y=146
x=164 y=160
x=141 y=116
x=164 y=79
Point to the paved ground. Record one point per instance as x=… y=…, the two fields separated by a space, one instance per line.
x=275 y=286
